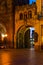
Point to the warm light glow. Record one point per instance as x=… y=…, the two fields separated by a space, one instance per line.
x=5 y=58
x=3 y=36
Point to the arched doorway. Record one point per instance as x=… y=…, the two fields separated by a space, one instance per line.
x=19 y=40
x=20 y=37
x=29 y=37
x=25 y=37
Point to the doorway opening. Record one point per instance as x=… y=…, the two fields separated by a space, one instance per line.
x=32 y=30
x=25 y=37
x=29 y=38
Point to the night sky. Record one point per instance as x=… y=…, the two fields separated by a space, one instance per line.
x=21 y=2
x=32 y=1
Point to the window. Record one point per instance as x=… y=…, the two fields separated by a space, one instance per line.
x=30 y=14
x=21 y=16
x=25 y=16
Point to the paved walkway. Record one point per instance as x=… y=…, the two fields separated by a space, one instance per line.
x=20 y=57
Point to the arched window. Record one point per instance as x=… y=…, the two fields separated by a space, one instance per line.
x=21 y=16
x=25 y=16
x=30 y=14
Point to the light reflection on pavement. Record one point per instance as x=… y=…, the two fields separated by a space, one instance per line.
x=21 y=57
x=5 y=58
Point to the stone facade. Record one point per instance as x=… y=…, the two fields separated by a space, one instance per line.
x=25 y=17
x=17 y=27
x=23 y=23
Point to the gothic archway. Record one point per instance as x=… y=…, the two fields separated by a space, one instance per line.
x=19 y=41
x=20 y=37
x=23 y=37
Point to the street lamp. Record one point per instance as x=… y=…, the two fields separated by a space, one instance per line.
x=3 y=36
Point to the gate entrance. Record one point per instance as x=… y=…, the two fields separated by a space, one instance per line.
x=29 y=38
x=25 y=38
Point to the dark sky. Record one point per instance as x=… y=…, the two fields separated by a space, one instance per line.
x=21 y=2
